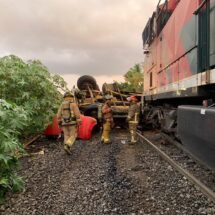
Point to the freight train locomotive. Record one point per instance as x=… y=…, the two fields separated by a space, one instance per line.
x=179 y=74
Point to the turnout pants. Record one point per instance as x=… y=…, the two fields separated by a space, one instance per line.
x=106 y=131
x=70 y=134
x=133 y=131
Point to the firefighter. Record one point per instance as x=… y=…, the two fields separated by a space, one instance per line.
x=107 y=119
x=69 y=119
x=133 y=117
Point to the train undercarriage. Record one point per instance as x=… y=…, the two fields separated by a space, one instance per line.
x=188 y=121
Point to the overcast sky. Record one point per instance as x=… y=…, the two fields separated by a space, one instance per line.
x=76 y=37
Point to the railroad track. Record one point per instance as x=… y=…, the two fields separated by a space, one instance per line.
x=103 y=179
x=202 y=187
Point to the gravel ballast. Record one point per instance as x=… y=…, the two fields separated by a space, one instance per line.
x=103 y=179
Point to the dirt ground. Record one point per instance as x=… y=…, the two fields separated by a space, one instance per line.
x=102 y=179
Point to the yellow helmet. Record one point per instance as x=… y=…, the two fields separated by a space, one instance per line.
x=68 y=94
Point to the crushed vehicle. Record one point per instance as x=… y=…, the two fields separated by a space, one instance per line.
x=90 y=99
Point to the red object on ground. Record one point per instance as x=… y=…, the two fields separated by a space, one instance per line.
x=53 y=129
x=86 y=128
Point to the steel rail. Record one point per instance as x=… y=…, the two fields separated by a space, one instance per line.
x=204 y=189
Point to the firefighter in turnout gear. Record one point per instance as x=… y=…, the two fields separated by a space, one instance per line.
x=133 y=117
x=69 y=119
x=107 y=120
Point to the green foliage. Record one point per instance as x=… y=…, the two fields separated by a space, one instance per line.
x=125 y=86
x=29 y=98
x=13 y=119
x=133 y=80
x=31 y=86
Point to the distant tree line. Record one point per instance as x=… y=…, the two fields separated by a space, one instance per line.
x=133 y=80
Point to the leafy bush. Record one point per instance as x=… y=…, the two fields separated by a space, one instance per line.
x=31 y=86
x=13 y=119
x=29 y=98
x=133 y=80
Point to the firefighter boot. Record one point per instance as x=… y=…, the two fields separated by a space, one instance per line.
x=106 y=132
x=67 y=149
x=68 y=145
x=133 y=137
